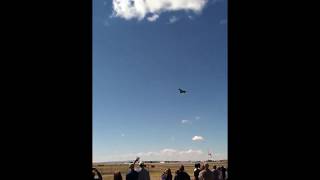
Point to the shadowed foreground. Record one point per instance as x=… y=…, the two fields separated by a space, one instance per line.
x=155 y=169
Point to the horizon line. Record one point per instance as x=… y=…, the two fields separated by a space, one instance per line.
x=128 y=161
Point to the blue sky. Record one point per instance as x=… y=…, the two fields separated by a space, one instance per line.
x=142 y=54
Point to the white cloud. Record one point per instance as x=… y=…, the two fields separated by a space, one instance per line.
x=166 y=154
x=173 y=19
x=144 y=154
x=168 y=151
x=139 y=9
x=197 y=138
x=184 y=121
x=153 y=17
x=190 y=151
x=173 y=154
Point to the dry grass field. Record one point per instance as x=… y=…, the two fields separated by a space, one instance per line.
x=155 y=169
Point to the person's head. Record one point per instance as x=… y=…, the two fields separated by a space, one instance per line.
x=177 y=171
x=117 y=175
x=181 y=168
x=142 y=165
x=168 y=171
x=214 y=167
x=131 y=167
x=206 y=165
x=197 y=165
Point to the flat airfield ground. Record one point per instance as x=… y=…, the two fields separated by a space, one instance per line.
x=155 y=169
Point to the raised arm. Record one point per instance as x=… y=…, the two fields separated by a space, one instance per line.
x=98 y=173
x=135 y=161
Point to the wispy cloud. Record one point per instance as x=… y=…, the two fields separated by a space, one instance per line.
x=153 y=18
x=173 y=19
x=190 y=151
x=139 y=9
x=184 y=121
x=122 y=135
x=188 y=154
x=162 y=155
x=168 y=151
x=197 y=117
x=197 y=138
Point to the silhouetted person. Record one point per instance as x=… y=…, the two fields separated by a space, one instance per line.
x=117 y=175
x=96 y=174
x=176 y=173
x=168 y=174
x=223 y=171
x=196 y=171
x=215 y=172
x=206 y=174
x=143 y=174
x=181 y=175
x=132 y=174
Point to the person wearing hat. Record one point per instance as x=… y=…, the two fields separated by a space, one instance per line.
x=143 y=174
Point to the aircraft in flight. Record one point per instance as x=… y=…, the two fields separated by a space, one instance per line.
x=182 y=91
